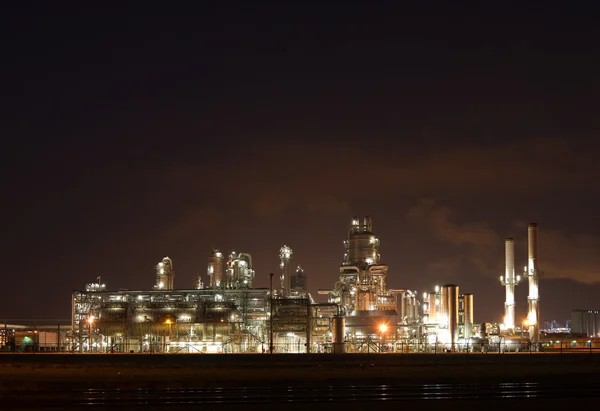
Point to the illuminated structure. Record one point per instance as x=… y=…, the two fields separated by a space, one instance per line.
x=361 y=285
x=509 y=281
x=532 y=273
x=586 y=322
x=165 y=275
x=466 y=314
x=299 y=284
x=215 y=268
x=361 y=292
x=285 y=264
x=368 y=306
x=229 y=315
x=239 y=271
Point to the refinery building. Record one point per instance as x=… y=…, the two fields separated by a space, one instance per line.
x=224 y=313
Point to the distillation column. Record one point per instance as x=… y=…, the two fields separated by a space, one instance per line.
x=285 y=264
x=215 y=268
x=509 y=281
x=533 y=315
x=164 y=274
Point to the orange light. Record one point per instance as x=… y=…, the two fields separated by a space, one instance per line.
x=91 y=319
x=382 y=328
x=525 y=323
x=168 y=321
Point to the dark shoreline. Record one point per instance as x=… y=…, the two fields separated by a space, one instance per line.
x=140 y=371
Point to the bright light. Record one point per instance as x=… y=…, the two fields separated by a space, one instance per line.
x=91 y=319
x=168 y=321
x=383 y=328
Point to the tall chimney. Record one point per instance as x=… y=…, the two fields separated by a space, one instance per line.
x=533 y=315
x=509 y=282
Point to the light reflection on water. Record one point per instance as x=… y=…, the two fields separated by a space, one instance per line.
x=315 y=393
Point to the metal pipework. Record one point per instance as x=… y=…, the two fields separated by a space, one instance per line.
x=532 y=272
x=509 y=281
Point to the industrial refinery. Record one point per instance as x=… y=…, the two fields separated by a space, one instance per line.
x=224 y=313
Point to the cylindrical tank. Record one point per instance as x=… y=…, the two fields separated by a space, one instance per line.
x=468 y=315
x=434 y=305
x=363 y=247
x=339 y=330
x=215 y=268
x=450 y=307
x=444 y=307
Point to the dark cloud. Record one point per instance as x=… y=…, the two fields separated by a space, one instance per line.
x=124 y=147
x=439 y=220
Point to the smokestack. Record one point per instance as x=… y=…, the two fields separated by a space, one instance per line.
x=533 y=315
x=509 y=282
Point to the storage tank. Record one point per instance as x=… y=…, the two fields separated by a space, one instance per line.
x=434 y=306
x=450 y=310
x=339 y=330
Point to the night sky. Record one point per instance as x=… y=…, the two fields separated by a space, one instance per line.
x=134 y=133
